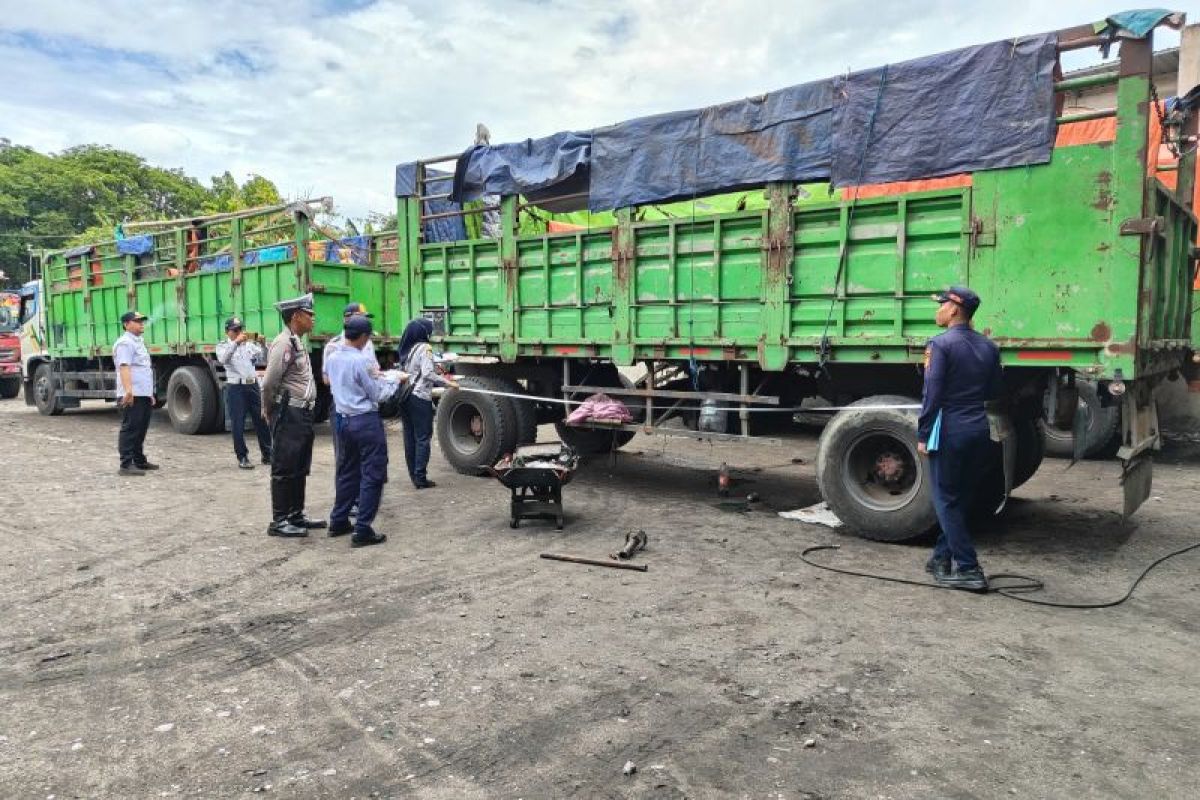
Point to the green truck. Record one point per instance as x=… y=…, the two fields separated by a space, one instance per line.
x=189 y=276
x=731 y=319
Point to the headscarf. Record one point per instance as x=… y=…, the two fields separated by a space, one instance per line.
x=416 y=332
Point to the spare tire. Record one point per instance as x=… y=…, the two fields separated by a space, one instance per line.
x=192 y=401
x=1103 y=436
x=870 y=473
x=474 y=430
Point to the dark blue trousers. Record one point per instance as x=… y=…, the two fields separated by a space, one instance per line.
x=957 y=466
x=417 y=415
x=361 y=471
x=244 y=399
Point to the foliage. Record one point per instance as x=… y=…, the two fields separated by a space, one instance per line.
x=54 y=200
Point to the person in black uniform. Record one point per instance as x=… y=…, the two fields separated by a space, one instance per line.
x=962 y=373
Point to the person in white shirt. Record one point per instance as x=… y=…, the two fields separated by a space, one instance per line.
x=240 y=354
x=135 y=393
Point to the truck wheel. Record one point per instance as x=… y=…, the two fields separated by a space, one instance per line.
x=1103 y=434
x=10 y=388
x=45 y=392
x=524 y=411
x=192 y=401
x=474 y=430
x=871 y=475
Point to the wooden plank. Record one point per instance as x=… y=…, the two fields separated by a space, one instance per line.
x=668 y=394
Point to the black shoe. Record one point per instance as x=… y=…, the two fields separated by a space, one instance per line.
x=425 y=484
x=147 y=466
x=129 y=472
x=340 y=528
x=938 y=567
x=367 y=541
x=301 y=521
x=971 y=580
x=244 y=463
x=286 y=529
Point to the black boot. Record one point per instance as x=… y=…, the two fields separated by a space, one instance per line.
x=297 y=516
x=281 y=507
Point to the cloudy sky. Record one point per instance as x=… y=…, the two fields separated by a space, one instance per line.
x=326 y=96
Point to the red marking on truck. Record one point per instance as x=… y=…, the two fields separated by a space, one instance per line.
x=1044 y=355
x=155 y=349
x=695 y=351
x=566 y=351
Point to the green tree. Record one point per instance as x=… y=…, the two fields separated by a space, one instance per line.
x=49 y=201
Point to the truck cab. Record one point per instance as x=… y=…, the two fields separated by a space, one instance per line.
x=10 y=346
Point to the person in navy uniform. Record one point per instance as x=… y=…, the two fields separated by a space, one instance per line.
x=362 y=460
x=962 y=373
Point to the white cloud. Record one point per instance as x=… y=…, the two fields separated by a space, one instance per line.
x=328 y=102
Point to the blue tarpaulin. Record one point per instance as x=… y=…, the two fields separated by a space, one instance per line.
x=976 y=108
x=445 y=229
x=781 y=136
x=521 y=168
x=135 y=245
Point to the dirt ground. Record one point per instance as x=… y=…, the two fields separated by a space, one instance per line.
x=156 y=643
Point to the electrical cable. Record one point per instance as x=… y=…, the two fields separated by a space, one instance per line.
x=1025 y=584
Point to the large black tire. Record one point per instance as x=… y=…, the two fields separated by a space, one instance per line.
x=524 y=412
x=474 y=430
x=1103 y=437
x=10 y=388
x=192 y=401
x=45 y=392
x=871 y=475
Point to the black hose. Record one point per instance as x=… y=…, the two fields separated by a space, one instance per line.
x=1013 y=591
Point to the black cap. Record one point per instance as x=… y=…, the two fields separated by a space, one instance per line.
x=356 y=308
x=133 y=316
x=356 y=326
x=961 y=296
x=234 y=324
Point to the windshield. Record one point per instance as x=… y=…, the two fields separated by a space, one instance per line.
x=10 y=310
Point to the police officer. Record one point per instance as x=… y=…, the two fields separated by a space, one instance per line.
x=240 y=355
x=362 y=451
x=962 y=373
x=135 y=393
x=289 y=395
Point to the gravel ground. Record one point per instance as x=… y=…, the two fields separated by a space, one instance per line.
x=156 y=643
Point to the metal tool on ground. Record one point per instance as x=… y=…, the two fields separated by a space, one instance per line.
x=535 y=475
x=594 y=562
x=633 y=543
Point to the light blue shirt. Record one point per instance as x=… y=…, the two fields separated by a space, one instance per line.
x=355 y=390
x=131 y=350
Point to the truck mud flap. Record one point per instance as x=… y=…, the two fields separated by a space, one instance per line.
x=1137 y=476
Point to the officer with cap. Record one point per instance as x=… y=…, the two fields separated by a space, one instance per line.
x=240 y=355
x=135 y=393
x=962 y=373
x=362 y=460
x=289 y=395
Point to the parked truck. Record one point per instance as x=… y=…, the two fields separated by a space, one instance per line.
x=1083 y=256
x=189 y=276
x=10 y=345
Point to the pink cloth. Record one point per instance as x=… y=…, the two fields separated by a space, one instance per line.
x=600 y=408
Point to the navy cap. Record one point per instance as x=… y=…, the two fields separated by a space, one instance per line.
x=356 y=308
x=356 y=326
x=133 y=316
x=233 y=324
x=961 y=296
